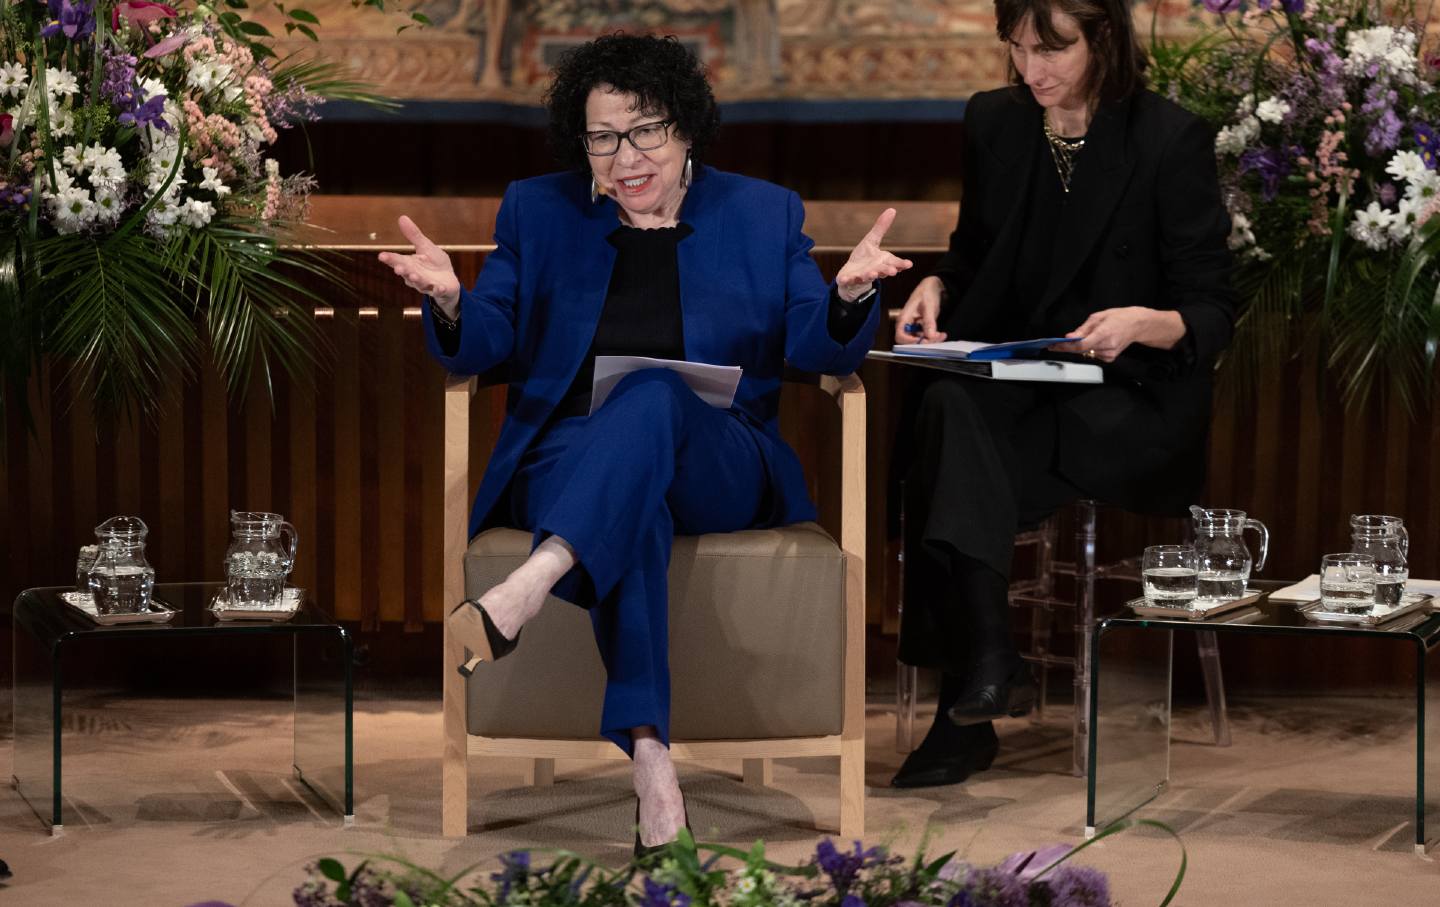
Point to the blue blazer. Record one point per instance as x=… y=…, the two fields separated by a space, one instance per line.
x=750 y=293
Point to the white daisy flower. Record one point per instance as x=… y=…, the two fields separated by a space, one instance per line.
x=1407 y=166
x=60 y=82
x=1272 y=110
x=13 y=79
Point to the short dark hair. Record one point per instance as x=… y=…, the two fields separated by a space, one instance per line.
x=660 y=72
x=1117 y=61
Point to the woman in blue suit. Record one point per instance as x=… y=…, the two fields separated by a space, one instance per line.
x=638 y=249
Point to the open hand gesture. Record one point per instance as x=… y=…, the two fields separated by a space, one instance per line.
x=428 y=270
x=868 y=262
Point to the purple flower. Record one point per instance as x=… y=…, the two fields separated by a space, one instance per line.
x=994 y=888
x=853 y=900
x=514 y=866
x=1427 y=144
x=843 y=867
x=1293 y=7
x=1078 y=886
x=75 y=19
x=658 y=895
x=1030 y=863
x=1272 y=165
x=149 y=113
x=1221 y=6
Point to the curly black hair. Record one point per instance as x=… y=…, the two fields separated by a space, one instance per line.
x=660 y=72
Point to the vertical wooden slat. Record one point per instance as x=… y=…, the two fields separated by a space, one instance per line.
x=166 y=455
x=327 y=493
x=387 y=423
x=257 y=425
x=413 y=390
x=303 y=484
x=211 y=513
x=368 y=431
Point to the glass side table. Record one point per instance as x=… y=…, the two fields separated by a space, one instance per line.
x=48 y=634
x=1130 y=705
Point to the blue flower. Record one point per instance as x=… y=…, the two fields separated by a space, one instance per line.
x=843 y=867
x=75 y=19
x=1427 y=144
x=514 y=866
x=658 y=895
x=1272 y=165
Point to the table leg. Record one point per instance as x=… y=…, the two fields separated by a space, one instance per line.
x=324 y=716
x=1129 y=757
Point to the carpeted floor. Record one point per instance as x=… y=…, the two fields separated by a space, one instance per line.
x=178 y=801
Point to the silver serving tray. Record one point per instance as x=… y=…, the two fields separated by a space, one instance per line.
x=1410 y=602
x=1143 y=608
x=290 y=600
x=84 y=603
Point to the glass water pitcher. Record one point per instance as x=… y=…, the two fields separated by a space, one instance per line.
x=1221 y=558
x=257 y=561
x=120 y=580
x=1385 y=539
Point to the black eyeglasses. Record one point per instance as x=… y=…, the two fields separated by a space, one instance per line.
x=645 y=137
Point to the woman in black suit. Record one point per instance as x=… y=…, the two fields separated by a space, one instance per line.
x=1092 y=211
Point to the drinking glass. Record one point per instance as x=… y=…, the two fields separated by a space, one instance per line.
x=1169 y=575
x=1347 y=582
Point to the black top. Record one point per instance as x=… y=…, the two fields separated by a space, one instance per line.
x=1039 y=245
x=642 y=314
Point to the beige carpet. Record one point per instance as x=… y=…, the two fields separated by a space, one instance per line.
x=177 y=801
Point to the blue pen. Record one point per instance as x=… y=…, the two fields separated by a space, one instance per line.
x=914 y=327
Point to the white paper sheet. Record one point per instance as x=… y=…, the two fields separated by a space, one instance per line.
x=1308 y=589
x=715 y=384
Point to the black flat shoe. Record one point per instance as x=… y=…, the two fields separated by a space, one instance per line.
x=488 y=645
x=1012 y=697
x=937 y=767
x=643 y=851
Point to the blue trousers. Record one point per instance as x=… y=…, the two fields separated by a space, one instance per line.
x=655 y=460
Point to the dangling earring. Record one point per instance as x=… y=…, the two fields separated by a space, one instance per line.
x=597 y=191
x=689 y=172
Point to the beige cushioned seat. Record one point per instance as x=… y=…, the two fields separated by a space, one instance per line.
x=757 y=619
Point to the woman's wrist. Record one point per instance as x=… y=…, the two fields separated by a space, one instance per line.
x=1167 y=329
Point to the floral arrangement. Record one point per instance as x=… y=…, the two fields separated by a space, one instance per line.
x=1326 y=114
x=680 y=877
x=140 y=219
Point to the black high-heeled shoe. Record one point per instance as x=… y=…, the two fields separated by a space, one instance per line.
x=643 y=851
x=491 y=644
x=1012 y=697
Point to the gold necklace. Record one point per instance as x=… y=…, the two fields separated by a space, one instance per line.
x=1063 y=152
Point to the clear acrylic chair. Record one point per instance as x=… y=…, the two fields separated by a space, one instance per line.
x=1038 y=594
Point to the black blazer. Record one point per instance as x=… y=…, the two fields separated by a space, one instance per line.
x=1151 y=231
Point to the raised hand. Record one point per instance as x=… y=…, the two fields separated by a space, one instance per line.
x=868 y=262
x=923 y=310
x=428 y=270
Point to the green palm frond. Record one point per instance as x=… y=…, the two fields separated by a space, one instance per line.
x=253 y=300
x=118 y=321
x=330 y=80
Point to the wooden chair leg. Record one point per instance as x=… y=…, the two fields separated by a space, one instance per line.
x=539 y=772
x=759 y=772
x=454 y=766
x=852 y=788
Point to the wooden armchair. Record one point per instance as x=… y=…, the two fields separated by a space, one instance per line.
x=767 y=649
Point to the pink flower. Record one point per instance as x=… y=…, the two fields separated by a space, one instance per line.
x=141 y=12
x=167 y=46
x=7 y=130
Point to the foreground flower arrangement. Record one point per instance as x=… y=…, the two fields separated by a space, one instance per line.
x=1326 y=113
x=687 y=874
x=140 y=218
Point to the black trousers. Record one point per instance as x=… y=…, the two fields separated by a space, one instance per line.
x=983 y=466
